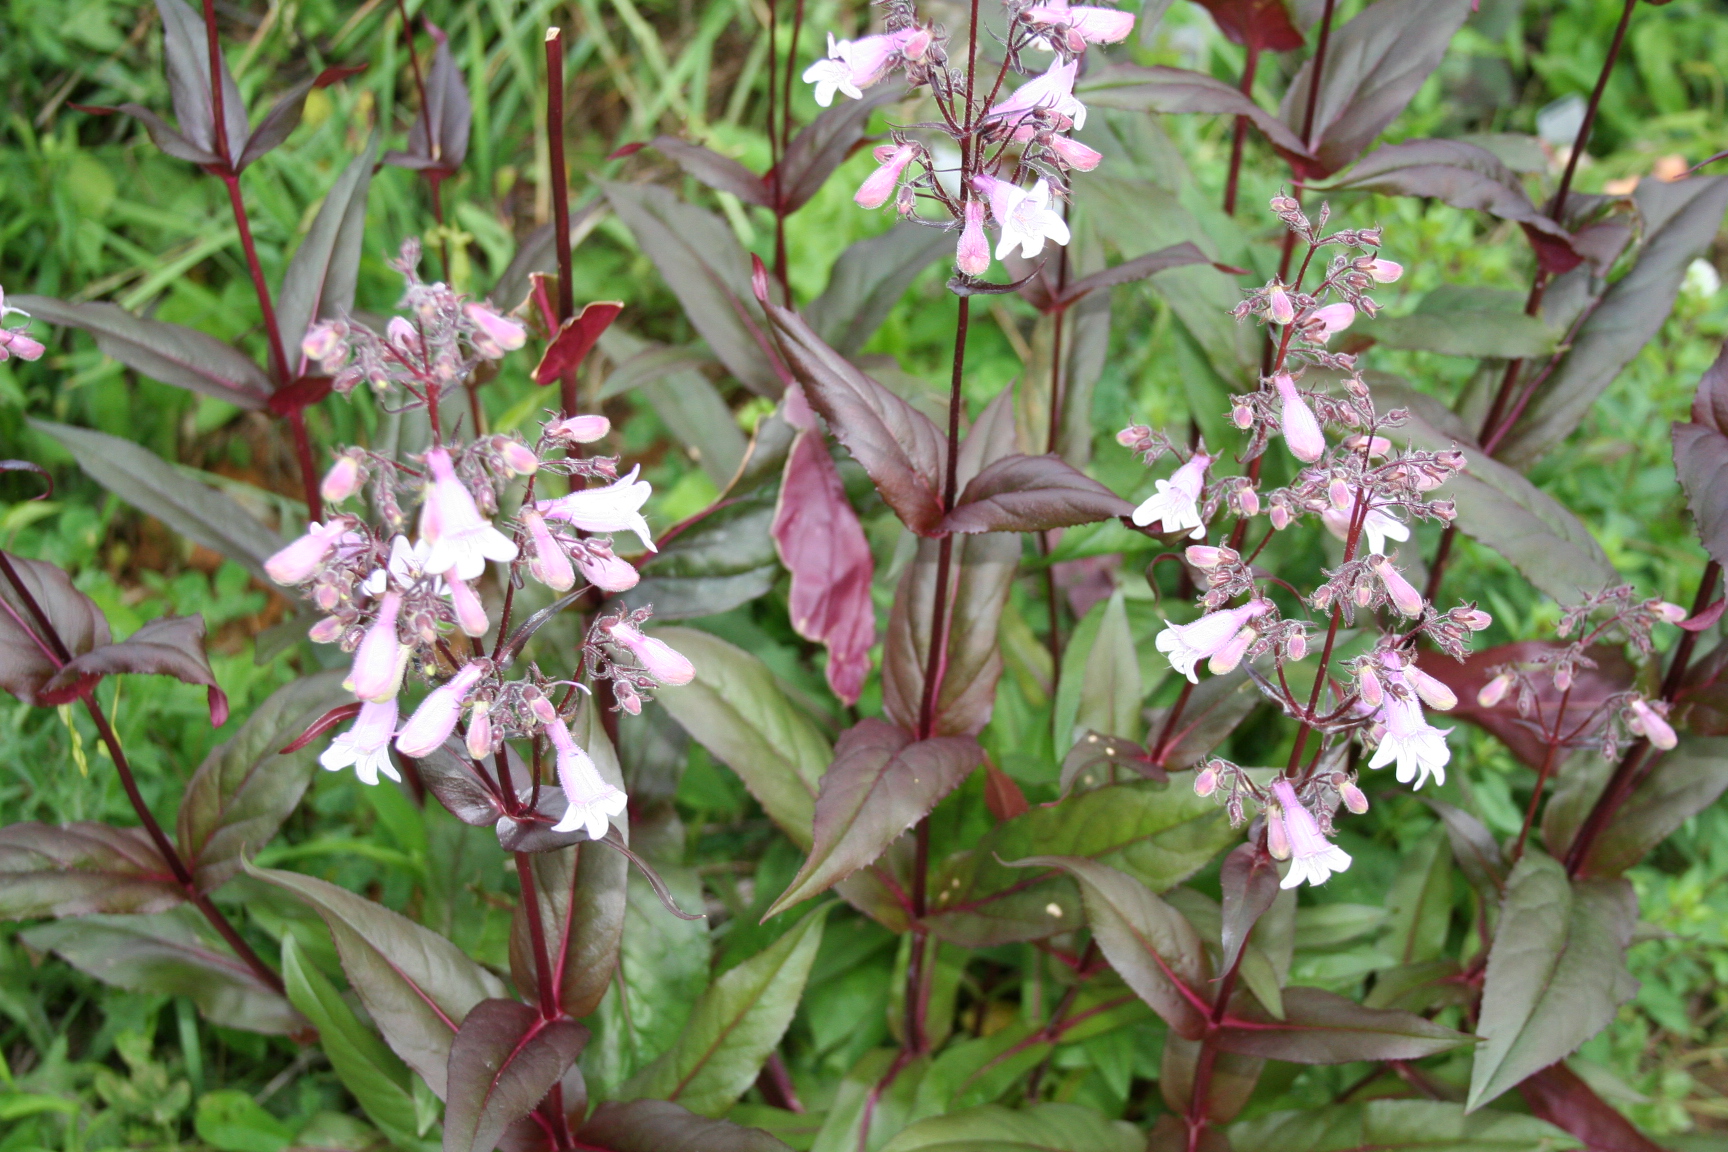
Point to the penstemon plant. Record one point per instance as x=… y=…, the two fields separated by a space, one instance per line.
x=1127 y=880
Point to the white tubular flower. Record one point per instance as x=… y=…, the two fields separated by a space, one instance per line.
x=1185 y=645
x=1418 y=747
x=1025 y=217
x=1176 y=504
x=461 y=538
x=1052 y=92
x=1313 y=858
x=1377 y=527
x=366 y=745
x=854 y=65
x=614 y=508
x=592 y=801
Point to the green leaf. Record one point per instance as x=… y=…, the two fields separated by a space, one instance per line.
x=1684 y=782
x=1038 y=1128
x=723 y=560
x=874 y=1102
x=881 y=783
x=1556 y=972
x=1480 y=333
x=319 y=283
x=245 y=788
x=581 y=892
x=734 y=1027
x=416 y=985
x=661 y=1126
x=82 y=868
x=691 y=406
x=1234 y=1079
x=233 y=1122
x=982 y=1069
x=1134 y=88
x=1420 y=901
x=1110 y=688
x=377 y=1079
x=1393 y=1125
x=736 y=710
x=503 y=1061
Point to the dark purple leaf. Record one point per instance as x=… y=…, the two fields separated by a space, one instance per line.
x=1260 y=24
x=881 y=783
x=1473 y=847
x=186 y=45
x=1710 y=400
x=284 y=115
x=1523 y=735
x=1701 y=461
x=1250 y=884
x=716 y=171
x=1558 y=1095
x=28 y=660
x=1683 y=783
x=1215 y=709
x=171 y=353
x=1032 y=494
x=1374 y=65
x=449 y=774
x=868 y=280
x=161 y=132
x=823 y=145
x=1140 y=267
x=1324 y=1028
x=822 y=544
x=1097 y=758
x=438 y=139
x=169 y=646
x=1134 y=88
x=503 y=1061
x=319 y=282
x=1233 y=1081
x=897 y=445
x=28 y=466
x=538 y=253
x=575 y=339
x=580 y=891
x=77 y=869
x=662 y=1126
x=1002 y=795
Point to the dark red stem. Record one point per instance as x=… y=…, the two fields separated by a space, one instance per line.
x=1240 y=135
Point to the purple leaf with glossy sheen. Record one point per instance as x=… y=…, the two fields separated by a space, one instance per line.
x=823 y=145
x=662 y=1126
x=449 y=774
x=169 y=646
x=1522 y=735
x=438 y=139
x=1032 y=494
x=823 y=545
x=503 y=1061
x=1560 y=1096
x=27 y=662
x=1138 y=268
x=78 y=869
x=713 y=169
x=284 y=115
x=1323 y=1028
x=1262 y=24
x=1134 y=88
x=1473 y=846
x=881 y=783
x=1683 y=783
x=581 y=893
x=1710 y=400
x=868 y=280
x=1249 y=881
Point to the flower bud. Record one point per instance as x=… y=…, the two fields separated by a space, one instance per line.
x=381 y=657
x=972 y=254
x=1249 y=500
x=1434 y=693
x=1376 y=445
x=1353 y=797
x=604 y=570
x=1206 y=781
x=1277 y=839
x=343 y=479
x=435 y=719
x=1404 y=597
x=657 y=657
x=1495 y=690
x=1204 y=555
x=326 y=631
x=470 y=612
x=580 y=429
x=402 y=335
x=1301 y=430
x=1563 y=678
x=299 y=560
x=1280 y=517
x=1132 y=435
x=1473 y=618
x=1296 y=645
x=1649 y=723
x=1333 y=319
x=495 y=334
x=627 y=697
x=1368 y=687
x=1672 y=613
x=1339 y=493
x=549 y=563
x=480 y=731
x=1278 y=305
x=325 y=342
x=1242 y=416
x=518 y=458
x=880 y=184
x=541 y=707
x=1384 y=271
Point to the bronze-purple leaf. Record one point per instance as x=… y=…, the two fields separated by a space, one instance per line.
x=1263 y=25
x=719 y=172
x=438 y=140
x=449 y=774
x=581 y=893
x=503 y=1061
x=575 y=339
x=1701 y=459
x=79 y=869
x=1560 y=1096
x=1134 y=88
x=186 y=46
x=1139 y=268
x=28 y=658
x=823 y=145
x=1032 y=494
x=1324 y=1028
x=662 y=1126
x=1249 y=881
x=169 y=646
x=1523 y=734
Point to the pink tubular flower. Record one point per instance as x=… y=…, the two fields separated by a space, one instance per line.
x=1434 y=693
x=470 y=612
x=516 y=456
x=1404 y=596
x=496 y=334
x=1024 y=216
x=660 y=659
x=1495 y=690
x=1176 y=504
x=461 y=538
x=1073 y=153
x=972 y=254
x=592 y=801
x=479 y=737
x=1650 y=724
x=16 y=341
x=1377 y=527
x=880 y=184
x=300 y=559
x=1278 y=305
x=1332 y=319
x=1185 y=645
x=1277 y=838
x=1084 y=25
x=1053 y=92
x=1224 y=660
x=381 y=657
x=343 y=479
x=1301 y=431
x=854 y=65
x=435 y=719
x=614 y=508
x=366 y=745
x=1313 y=858
x=1368 y=687
x=549 y=564
x=1418 y=747
x=1672 y=613
x=580 y=429
x=604 y=570
x=1384 y=271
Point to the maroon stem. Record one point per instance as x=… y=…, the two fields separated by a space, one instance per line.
x=559 y=176
x=1542 y=774
x=549 y=1009
x=1240 y=135
x=1314 y=76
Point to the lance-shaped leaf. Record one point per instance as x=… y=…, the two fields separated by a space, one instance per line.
x=82 y=868
x=1473 y=847
x=575 y=339
x=1683 y=783
x=1323 y=1028
x=1134 y=88
x=1150 y=944
x=1523 y=735
x=1215 y=709
x=701 y=261
x=822 y=145
x=1110 y=686
x=1038 y=1128
x=1710 y=398
x=1374 y=65
x=378 y=1081
x=897 y=445
x=319 y=282
x=1556 y=972
x=1128 y=271
x=1249 y=883
x=1701 y=461
x=719 y=172
x=168 y=646
x=1396 y=1126
x=881 y=783
x=1032 y=494
x=284 y=115
x=737 y=710
x=581 y=893
x=438 y=140
x=660 y=1125
x=246 y=787
x=1680 y=220
x=1562 y=1098
x=691 y=406
x=175 y=953
x=822 y=544
x=416 y=985
x=156 y=488
x=1263 y=25
x=868 y=280
x=503 y=1061
x=27 y=658
x=171 y=353
x=449 y=774
x=187 y=49
x=734 y=1027
x=1420 y=902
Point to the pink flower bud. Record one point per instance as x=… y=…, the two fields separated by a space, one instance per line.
x=1227 y=657
x=1647 y=722
x=1376 y=445
x=19 y=343
x=470 y=612
x=1242 y=416
x=972 y=255
x=1206 y=781
x=604 y=570
x=1249 y=500
x=381 y=657
x=1277 y=839
x=1204 y=555
x=480 y=731
x=1132 y=435
x=1280 y=516
x=435 y=719
x=1301 y=431
x=495 y=334
x=658 y=658
x=1333 y=319
x=1384 y=271
x=549 y=564
x=1072 y=153
x=518 y=458
x=1339 y=493
x=299 y=560
x=343 y=479
x=325 y=342
x=880 y=184
x=327 y=631
x=580 y=429
x=1278 y=305
x=1563 y=678
x=1353 y=797
x=1434 y=693
x=1473 y=618
x=541 y=707
x=1495 y=690
x=1368 y=687
x=1404 y=597
x=627 y=697
x=1672 y=613
x=1296 y=645
x=402 y=335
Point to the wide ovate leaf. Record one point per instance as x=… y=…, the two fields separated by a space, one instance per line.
x=503 y=1061
x=1396 y=1125
x=1682 y=784
x=723 y=560
x=581 y=893
x=245 y=788
x=1556 y=971
x=737 y=710
x=734 y=1027
x=171 y=353
x=1150 y=944
x=319 y=282
x=868 y=280
x=823 y=545
x=719 y=172
x=168 y=646
x=175 y=953
x=1322 y=1028
x=822 y=145
x=27 y=658
x=897 y=445
x=1701 y=461
x=1591 y=690
x=1160 y=835
x=1037 y=1128
x=438 y=139
x=1134 y=88
x=1032 y=494
x=416 y=985
x=1710 y=398
x=1562 y=1098
x=79 y=869
x=662 y=1126
x=448 y=773
x=1374 y=65
x=701 y=261
x=1680 y=220
x=156 y=488
x=881 y=783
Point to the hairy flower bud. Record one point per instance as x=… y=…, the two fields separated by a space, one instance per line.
x=470 y=612
x=1242 y=416
x=381 y=657
x=1301 y=431
x=435 y=719
x=1672 y=613
x=1384 y=271
x=343 y=479
x=1404 y=597
x=579 y=429
x=1434 y=693
x=480 y=731
x=1495 y=690
x=1277 y=839
x=326 y=631
x=1204 y=555
x=972 y=254
x=657 y=657
x=1278 y=305
x=1648 y=723
x=880 y=184
x=1368 y=687
x=495 y=334
x=518 y=458
x=1353 y=797
x=1206 y=781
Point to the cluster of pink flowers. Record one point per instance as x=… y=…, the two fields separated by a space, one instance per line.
x=397 y=602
